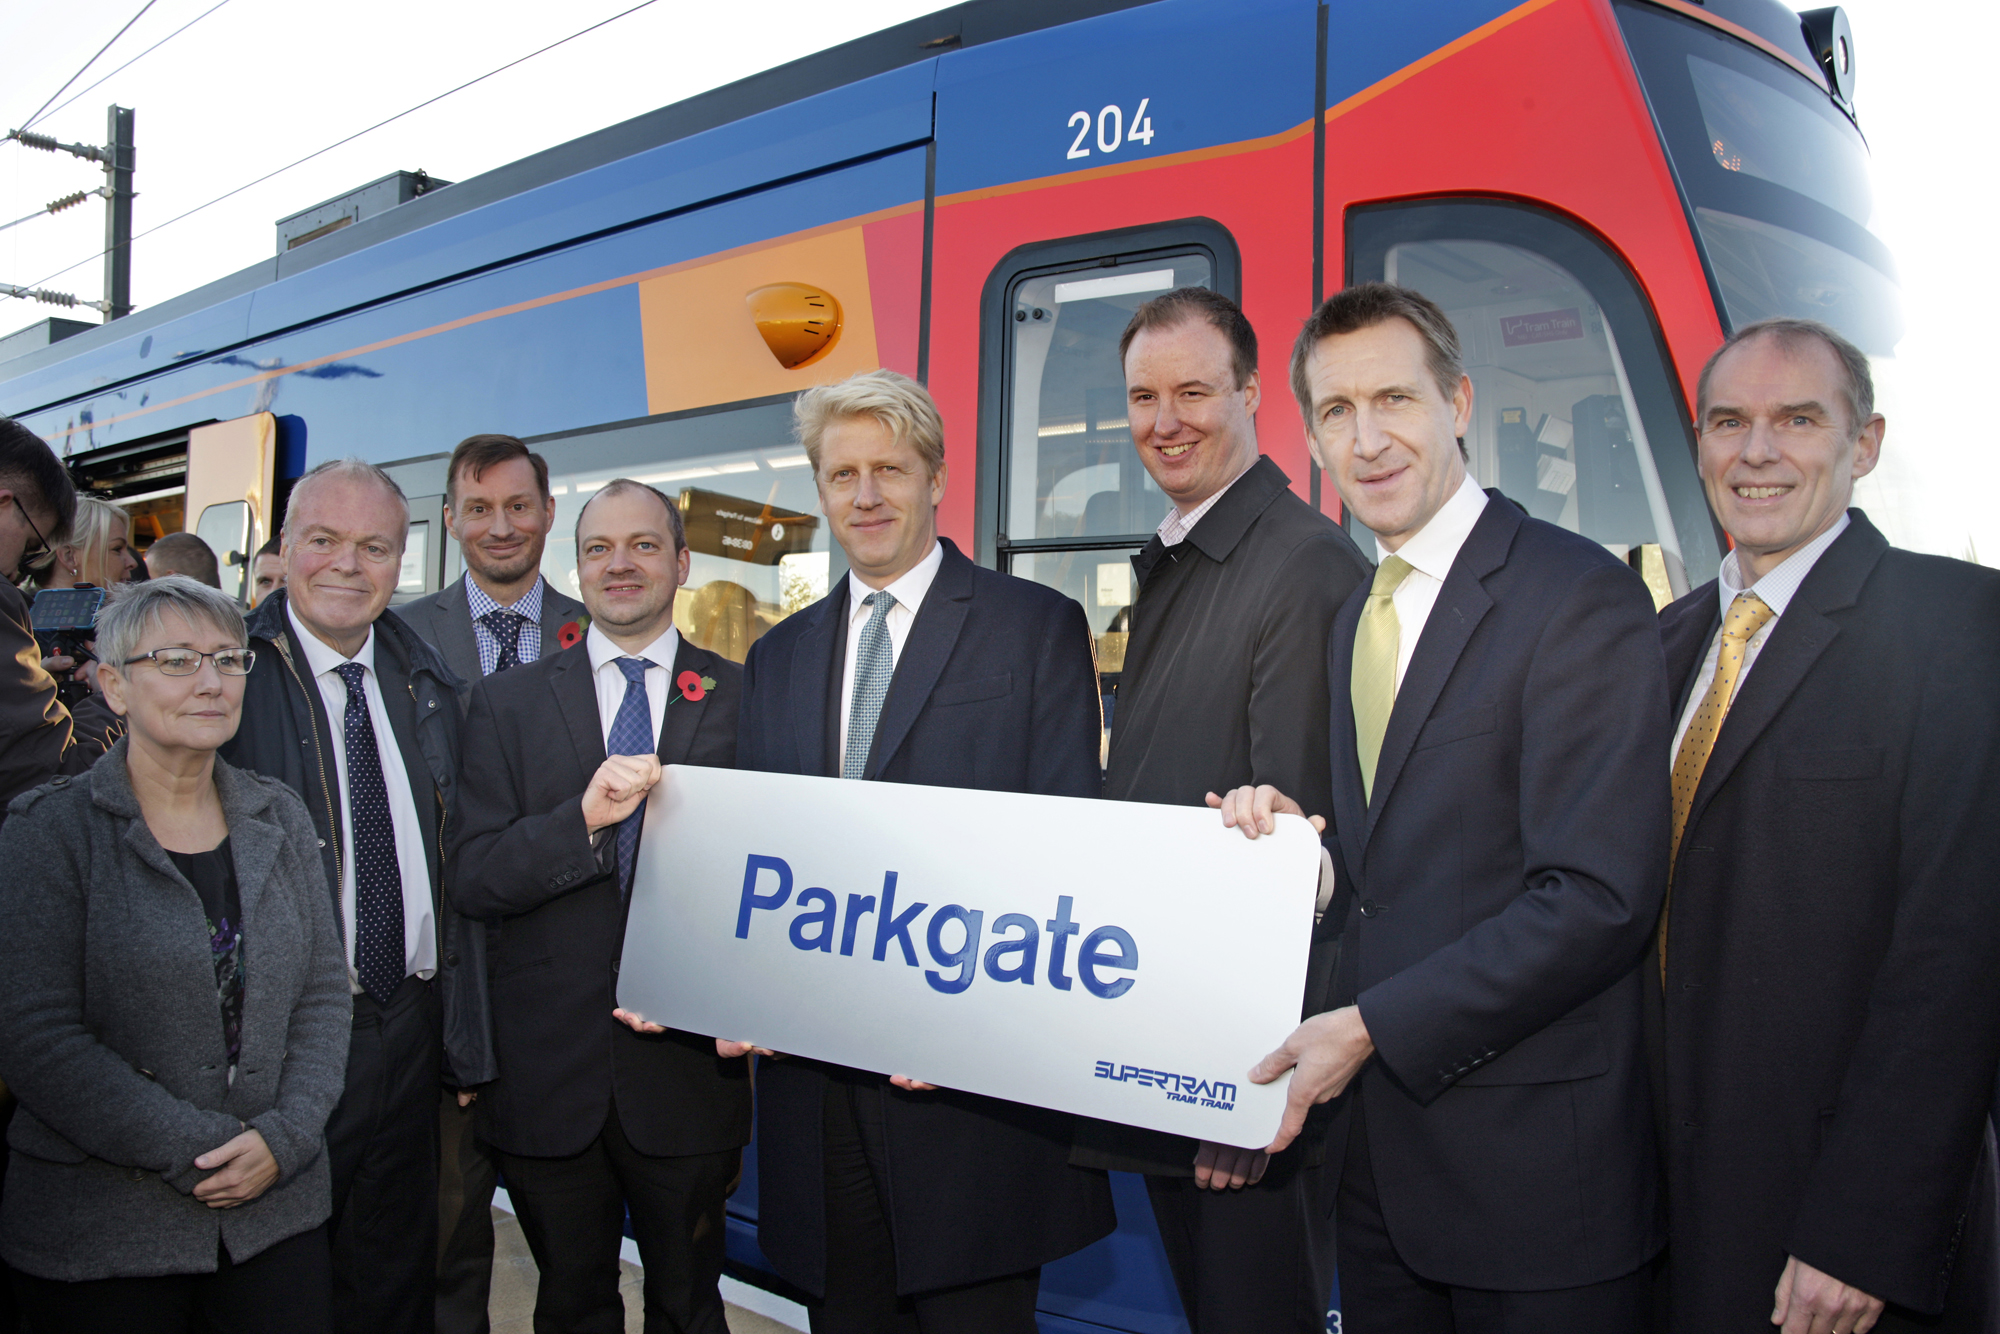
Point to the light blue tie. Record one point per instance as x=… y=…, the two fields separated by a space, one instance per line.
x=874 y=664
x=631 y=734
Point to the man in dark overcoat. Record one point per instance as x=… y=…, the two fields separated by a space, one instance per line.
x=1830 y=973
x=1224 y=684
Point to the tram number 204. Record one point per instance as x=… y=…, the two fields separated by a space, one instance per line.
x=1112 y=132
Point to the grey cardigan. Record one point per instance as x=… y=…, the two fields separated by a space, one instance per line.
x=111 y=1037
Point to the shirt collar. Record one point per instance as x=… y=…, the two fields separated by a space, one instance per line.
x=480 y=602
x=322 y=657
x=1433 y=547
x=908 y=591
x=1777 y=586
x=1176 y=526
x=660 y=652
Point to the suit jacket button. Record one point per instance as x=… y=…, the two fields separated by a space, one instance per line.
x=614 y=965
x=451 y=959
x=138 y=1174
x=1369 y=908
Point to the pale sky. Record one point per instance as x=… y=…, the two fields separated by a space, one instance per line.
x=258 y=83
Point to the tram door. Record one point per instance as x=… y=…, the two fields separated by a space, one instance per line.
x=230 y=469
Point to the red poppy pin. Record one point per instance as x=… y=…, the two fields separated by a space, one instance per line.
x=694 y=686
x=572 y=633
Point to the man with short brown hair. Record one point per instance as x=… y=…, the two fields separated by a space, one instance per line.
x=500 y=614
x=1224 y=684
x=184 y=553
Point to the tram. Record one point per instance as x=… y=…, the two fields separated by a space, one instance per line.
x=1593 y=189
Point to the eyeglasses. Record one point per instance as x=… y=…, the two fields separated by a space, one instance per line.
x=186 y=662
x=41 y=543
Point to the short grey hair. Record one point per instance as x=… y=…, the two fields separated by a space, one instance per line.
x=132 y=611
x=1857 y=381
x=903 y=406
x=350 y=468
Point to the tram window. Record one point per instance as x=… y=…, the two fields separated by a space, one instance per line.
x=1573 y=415
x=226 y=529
x=1065 y=501
x=1071 y=468
x=416 y=549
x=759 y=547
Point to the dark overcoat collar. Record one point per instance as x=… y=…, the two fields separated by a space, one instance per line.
x=1224 y=526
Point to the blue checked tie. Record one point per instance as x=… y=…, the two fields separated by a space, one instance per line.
x=378 y=878
x=504 y=624
x=874 y=664
x=631 y=734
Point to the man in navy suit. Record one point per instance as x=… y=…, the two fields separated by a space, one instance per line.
x=1499 y=841
x=898 y=1206
x=592 y=1119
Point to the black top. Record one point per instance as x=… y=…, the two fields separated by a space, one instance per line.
x=213 y=875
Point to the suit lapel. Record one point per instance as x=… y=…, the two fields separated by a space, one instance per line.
x=683 y=715
x=1801 y=635
x=1350 y=813
x=557 y=611
x=1686 y=630
x=933 y=635
x=456 y=640
x=813 y=662
x=1462 y=603
x=576 y=700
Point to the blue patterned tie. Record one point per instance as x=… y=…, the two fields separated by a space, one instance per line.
x=631 y=734
x=379 y=958
x=504 y=624
x=874 y=664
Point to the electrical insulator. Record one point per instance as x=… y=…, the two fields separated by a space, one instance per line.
x=70 y=201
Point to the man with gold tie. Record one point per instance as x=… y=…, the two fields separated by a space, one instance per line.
x=1829 y=962
x=1498 y=832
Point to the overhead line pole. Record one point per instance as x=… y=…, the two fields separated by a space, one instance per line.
x=118 y=162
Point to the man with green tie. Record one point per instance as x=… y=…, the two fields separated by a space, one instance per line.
x=1498 y=830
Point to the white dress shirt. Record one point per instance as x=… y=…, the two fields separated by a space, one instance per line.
x=909 y=594
x=1430 y=552
x=419 y=920
x=1776 y=589
x=610 y=678
x=1173 y=529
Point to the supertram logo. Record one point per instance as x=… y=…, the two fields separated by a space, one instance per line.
x=1178 y=1088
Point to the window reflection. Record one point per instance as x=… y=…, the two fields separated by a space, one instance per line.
x=1555 y=427
x=758 y=547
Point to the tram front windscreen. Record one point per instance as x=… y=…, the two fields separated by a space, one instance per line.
x=1776 y=179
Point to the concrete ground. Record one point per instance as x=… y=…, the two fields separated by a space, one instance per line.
x=513 y=1303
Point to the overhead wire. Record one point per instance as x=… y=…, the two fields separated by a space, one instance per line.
x=88 y=63
x=134 y=60
x=502 y=69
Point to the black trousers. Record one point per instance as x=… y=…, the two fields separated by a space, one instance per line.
x=467 y=1174
x=1379 y=1294
x=1253 y=1261
x=382 y=1144
x=860 y=1248
x=283 y=1289
x=572 y=1211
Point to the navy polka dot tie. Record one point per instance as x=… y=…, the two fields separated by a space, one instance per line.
x=378 y=878
x=631 y=734
x=504 y=624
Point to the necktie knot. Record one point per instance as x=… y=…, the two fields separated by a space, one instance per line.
x=880 y=604
x=1747 y=615
x=1389 y=576
x=634 y=669
x=352 y=673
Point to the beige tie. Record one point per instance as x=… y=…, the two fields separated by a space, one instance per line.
x=1373 y=685
x=1747 y=615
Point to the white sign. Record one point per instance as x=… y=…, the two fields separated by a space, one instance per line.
x=1117 y=960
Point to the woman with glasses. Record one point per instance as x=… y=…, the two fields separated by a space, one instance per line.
x=176 y=1011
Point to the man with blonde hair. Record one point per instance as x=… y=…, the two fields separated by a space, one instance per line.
x=896 y=1205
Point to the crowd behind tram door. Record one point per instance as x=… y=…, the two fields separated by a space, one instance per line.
x=1728 y=899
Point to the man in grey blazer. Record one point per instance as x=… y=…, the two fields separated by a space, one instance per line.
x=502 y=613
